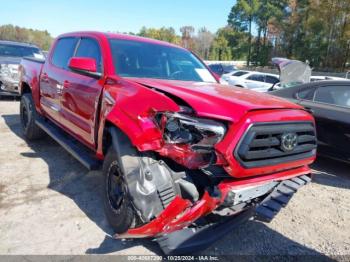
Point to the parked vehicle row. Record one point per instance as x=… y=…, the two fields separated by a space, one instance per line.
x=260 y=82
x=11 y=54
x=185 y=159
x=291 y=73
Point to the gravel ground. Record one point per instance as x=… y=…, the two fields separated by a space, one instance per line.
x=50 y=204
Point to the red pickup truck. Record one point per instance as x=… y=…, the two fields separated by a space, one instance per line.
x=185 y=159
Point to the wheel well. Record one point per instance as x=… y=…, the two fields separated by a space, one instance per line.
x=107 y=138
x=25 y=88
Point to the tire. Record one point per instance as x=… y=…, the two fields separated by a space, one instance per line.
x=28 y=115
x=117 y=204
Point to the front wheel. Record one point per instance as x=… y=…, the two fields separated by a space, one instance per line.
x=118 y=208
x=28 y=115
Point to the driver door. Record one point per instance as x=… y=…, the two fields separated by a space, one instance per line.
x=81 y=94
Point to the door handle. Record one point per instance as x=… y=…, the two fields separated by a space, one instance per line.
x=66 y=84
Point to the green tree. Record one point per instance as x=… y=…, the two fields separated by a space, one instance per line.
x=15 y=33
x=270 y=10
x=220 y=49
x=163 y=34
x=202 y=42
x=242 y=16
x=187 y=40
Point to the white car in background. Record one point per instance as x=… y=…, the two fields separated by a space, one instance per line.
x=256 y=81
x=322 y=78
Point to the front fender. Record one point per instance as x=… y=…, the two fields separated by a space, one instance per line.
x=131 y=107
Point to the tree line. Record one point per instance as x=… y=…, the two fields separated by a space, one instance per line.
x=15 y=33
x=317 y=31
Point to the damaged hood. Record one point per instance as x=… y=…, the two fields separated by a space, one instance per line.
x=215 y=100
x=292 y=72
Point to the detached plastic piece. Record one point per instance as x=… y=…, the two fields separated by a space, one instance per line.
x=279 y=198
x=191 y=240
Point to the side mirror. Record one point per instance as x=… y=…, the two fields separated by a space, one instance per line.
x=85 y=66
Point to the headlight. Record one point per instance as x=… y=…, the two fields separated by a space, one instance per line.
x=10 y=71
x=5 y=70
x=200 y=133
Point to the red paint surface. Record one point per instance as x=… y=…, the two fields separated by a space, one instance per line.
x=83 y=63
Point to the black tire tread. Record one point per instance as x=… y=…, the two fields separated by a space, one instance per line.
x=31 y=131
x=123 y=218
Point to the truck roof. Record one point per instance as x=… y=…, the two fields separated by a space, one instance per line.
x=8 y=42
x=109 y=35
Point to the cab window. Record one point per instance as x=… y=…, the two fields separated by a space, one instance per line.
x=90 y=48
x=63 y=52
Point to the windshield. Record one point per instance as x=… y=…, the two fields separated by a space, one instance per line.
x=19 y=51
x=146 y=60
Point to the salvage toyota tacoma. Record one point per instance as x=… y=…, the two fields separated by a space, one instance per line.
x=184 y=158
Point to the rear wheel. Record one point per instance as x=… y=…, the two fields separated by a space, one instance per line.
x=118 y=208
x=28 y=115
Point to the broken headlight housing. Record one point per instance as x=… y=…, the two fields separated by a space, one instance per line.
x=5 y=70
x=200 y=133
x=9 y=72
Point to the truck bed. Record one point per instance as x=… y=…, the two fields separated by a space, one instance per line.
x=30 y=70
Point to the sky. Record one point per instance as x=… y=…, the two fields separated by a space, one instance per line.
x=61 y=16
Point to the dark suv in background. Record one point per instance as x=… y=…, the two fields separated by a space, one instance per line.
x=11 y=54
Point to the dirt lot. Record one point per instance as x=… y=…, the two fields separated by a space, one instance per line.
x=50 y=204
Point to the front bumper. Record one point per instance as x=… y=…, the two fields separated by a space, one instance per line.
x=197 y=238
x=181 y=213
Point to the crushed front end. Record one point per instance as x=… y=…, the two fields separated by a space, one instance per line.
x=209 y=172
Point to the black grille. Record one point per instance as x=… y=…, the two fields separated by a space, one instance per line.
x=261 y=145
